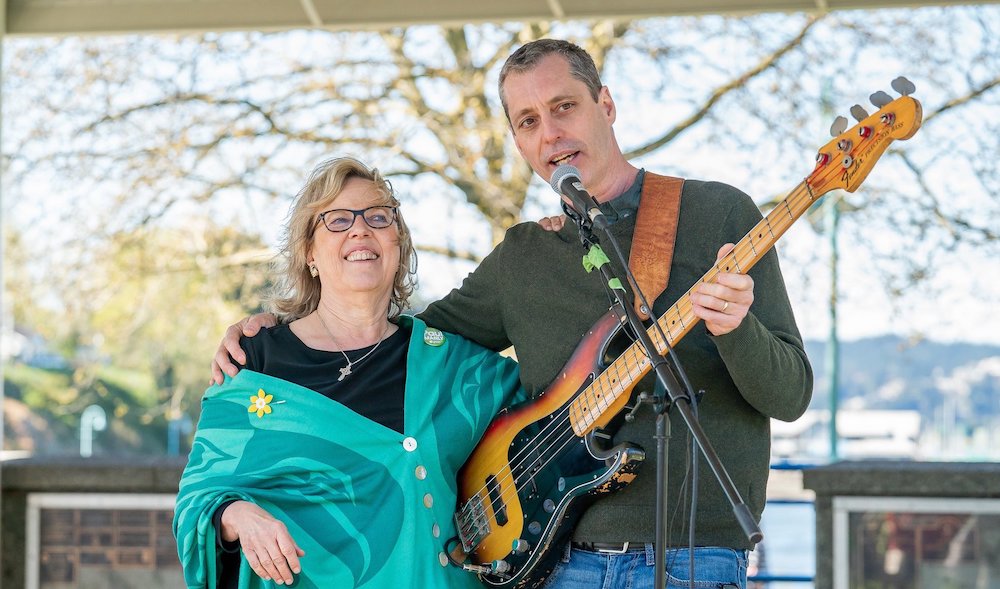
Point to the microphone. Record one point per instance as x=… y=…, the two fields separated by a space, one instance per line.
x=566 y=181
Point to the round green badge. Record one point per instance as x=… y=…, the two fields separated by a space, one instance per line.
x=433 y=337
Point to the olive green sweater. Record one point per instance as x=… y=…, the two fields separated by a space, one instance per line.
x=533 y=293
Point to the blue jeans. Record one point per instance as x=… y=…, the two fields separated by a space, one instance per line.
x=715 y=568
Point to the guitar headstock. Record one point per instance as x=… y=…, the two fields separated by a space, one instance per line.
x=845 y=161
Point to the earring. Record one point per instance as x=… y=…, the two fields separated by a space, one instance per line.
x=313 y=270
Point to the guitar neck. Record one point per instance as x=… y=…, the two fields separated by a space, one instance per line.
x=589 y=408
x=678 y=320
x=842 y=163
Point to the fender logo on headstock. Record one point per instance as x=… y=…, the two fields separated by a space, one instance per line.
x=858 y=148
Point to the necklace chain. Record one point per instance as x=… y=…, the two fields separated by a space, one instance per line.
x=346 y=370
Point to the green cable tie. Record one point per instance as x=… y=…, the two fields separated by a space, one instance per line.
x=614 y=283
x=595 y=258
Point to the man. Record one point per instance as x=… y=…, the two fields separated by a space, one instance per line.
x=531 y=292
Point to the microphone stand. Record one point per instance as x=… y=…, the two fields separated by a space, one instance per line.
x=676 y=396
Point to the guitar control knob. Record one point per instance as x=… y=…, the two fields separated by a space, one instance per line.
x=549 y=505
x=520 y=546
x=500 y=567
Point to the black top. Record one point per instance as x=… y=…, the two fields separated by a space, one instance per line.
x=374 y=389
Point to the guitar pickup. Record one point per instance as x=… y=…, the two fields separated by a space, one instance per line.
x=496 y=501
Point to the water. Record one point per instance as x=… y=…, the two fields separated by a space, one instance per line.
x=789 y=546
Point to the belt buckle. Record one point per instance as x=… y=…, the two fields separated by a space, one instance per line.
x=623 y=549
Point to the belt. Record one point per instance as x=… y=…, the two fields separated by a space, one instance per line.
x=609 y=547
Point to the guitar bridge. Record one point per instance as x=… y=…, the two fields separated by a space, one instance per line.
x=472 y=523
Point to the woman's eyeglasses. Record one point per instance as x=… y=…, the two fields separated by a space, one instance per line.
x=338 y=220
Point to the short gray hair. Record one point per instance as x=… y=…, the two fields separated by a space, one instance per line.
x=581 y=65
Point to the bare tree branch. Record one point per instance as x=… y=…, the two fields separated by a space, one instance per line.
x=722 y=91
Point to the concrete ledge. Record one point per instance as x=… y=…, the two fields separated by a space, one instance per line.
x=113 y=475
x=917 y=479
x=70 y=474
x=889 y=479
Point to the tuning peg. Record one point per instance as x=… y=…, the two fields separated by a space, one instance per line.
x=880 y=99
x=903 y=86
x=839 y=126
x=858 y=113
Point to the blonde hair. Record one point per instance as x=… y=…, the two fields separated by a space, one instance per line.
x=296 y=292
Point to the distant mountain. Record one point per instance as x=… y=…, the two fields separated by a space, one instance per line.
x=886 y=357
x=894 y=373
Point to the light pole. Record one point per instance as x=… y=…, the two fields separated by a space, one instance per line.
x=93 y=420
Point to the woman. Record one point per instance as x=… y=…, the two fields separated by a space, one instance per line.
x=331 y=460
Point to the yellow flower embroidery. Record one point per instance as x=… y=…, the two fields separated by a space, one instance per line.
x=259 y=403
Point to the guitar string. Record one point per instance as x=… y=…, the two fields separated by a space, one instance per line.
x=567 y=407
x=714 y=271
x=781 y=219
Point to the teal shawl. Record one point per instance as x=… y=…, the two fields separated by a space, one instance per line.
x=371 y=507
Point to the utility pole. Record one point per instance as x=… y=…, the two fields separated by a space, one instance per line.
x=832 y=356
x=832 y=219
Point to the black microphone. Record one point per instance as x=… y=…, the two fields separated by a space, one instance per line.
x=566 y=181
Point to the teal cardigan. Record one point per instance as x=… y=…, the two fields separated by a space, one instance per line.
x=370 y=506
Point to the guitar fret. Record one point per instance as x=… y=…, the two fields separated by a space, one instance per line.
x=618 y=372
x=607 y=390
x=790 y=215
x=596 y=395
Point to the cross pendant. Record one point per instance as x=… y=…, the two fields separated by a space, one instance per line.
x=344 y=372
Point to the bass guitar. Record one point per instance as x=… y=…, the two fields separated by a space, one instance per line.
x=540 y=463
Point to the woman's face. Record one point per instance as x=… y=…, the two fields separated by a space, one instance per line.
x=360 y=259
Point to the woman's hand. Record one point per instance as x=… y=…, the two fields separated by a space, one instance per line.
x=266 y=543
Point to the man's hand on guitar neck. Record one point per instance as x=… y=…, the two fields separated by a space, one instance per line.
x=724 y=303
x=229 y=352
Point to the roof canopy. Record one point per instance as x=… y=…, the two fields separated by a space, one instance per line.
x=63 y=17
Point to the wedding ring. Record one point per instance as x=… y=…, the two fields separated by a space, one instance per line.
x=724 y=307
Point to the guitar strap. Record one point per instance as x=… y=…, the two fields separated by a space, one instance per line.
x=655 y=233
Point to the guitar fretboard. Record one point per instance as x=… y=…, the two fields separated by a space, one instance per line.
x=677 y=321
x=900 y=119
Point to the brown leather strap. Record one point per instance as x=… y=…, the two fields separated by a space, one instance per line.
x=655 y=232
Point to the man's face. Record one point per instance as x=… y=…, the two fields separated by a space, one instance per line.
x=555 y=121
